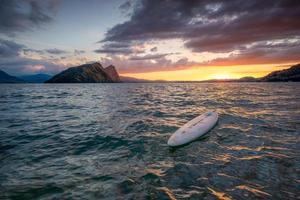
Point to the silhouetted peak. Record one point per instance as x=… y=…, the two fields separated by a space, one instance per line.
x=87 y=73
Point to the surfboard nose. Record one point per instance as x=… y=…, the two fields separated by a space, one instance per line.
x=172 y=141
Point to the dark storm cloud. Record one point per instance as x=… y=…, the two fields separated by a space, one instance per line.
x=9 y=48
x=210 y=25
x=262 y=53
x=125 y=6
x=16 y=16
x=150 y=20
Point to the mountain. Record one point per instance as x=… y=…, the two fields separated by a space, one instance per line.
x=247 y=79
x=243 y=79
x=6 y=78
x=112 y=72
x=127 y=79
x=35 y=78
x=290 y=74
x=87 y=73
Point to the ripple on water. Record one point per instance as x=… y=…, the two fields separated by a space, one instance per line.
x=108 y=141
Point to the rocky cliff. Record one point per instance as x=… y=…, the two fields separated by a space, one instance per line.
x=112 y=73
x=87 y=73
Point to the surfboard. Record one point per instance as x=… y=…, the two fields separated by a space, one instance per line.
x=193 y=129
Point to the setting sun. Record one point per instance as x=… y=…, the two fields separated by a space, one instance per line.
x=221 y=76
x=199 y=73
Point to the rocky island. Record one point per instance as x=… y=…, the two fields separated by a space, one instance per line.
x=87 y=73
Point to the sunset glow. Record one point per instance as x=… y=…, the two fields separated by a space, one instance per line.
x=154 y=40
x=207 y=73
x=221 y=76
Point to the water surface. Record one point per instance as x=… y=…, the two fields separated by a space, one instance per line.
x=108 y=141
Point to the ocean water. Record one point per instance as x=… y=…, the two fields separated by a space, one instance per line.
x=108 y=141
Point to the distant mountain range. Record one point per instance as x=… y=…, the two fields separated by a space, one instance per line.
x=95 y=73
x=127 y=79
x=87 y=73
x=6 y=78
x=35 y=78
x=291 y=74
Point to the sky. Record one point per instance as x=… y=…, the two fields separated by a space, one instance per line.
x=151 y=39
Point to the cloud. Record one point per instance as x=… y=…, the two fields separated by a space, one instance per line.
x=125 y=6
x=19 y=16
x=34 y=68
x=19 y=65
x=17 y=59
x=114 y=51
x=154 y=49
x=55 y=51
x=28 y=51
x=148 y=57
x=78 y=52
x=120 y=48
x=262 y=53
x=9 y=48
x=125 y=65
x=266 y=52
x=209 y=26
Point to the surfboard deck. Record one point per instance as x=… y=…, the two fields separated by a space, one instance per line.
x=193 y=129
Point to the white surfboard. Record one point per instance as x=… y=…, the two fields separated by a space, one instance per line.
x=193 y=129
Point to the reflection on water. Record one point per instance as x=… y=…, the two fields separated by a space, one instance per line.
x=255 y=191
x=108 y=141
x=219 y=195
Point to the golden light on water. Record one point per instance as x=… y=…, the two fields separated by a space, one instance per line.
x=219 y=195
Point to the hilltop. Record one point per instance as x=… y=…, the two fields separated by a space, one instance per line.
x=290 y=74
x=87 y=73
